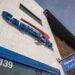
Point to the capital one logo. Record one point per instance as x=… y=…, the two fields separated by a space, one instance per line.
x=37 y=34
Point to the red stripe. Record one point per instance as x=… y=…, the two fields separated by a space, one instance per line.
x=44 y=34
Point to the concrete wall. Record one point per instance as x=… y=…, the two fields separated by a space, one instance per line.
x=18 y=41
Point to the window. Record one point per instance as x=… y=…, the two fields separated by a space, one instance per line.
x=46 y=73
x=17 y=69
x=12 y=68
x=24 y=9
x=38 y=72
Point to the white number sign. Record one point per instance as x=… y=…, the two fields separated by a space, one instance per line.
x=6 y=63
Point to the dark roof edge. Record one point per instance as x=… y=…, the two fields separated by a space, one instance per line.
x=59 y=29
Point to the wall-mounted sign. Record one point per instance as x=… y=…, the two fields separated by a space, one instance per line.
x=7 y=16
x=68 y=63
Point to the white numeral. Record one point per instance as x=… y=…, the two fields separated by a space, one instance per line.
x=10 y=64
x=6 y=63
x=1 y=61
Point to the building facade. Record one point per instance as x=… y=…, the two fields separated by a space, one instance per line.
x=22 y=50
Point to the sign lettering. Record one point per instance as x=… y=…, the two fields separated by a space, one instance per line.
x=7 y=16
x=68 y=63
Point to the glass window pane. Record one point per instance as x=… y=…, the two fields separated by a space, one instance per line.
x=17 y=69
x=12 y=68
x=38 y=72
x=46 y=73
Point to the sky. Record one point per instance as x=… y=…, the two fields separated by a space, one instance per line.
x=63 y=10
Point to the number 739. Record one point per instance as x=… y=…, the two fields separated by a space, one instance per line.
x=6 y=63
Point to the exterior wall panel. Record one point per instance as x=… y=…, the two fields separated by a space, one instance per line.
x=21 y=42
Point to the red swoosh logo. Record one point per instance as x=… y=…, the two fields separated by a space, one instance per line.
x=44 y=34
